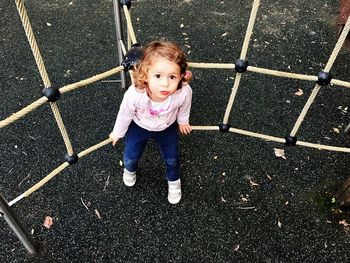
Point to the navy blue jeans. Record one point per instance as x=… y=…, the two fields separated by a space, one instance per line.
x=167 y=141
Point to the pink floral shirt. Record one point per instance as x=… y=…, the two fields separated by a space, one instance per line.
x=137 y=106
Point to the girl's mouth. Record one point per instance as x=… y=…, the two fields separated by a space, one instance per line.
x=164 y=92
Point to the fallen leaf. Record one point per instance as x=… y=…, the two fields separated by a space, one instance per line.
x=182 y=25
x=32 y=232
x=299 y=92
x=279 y=224
x=280 y=153
x=48 y=222
x=121 y=163
x=336 y=130
x=223 y=200
x=236 y=248
x=343 y=109
x=253 y=183
x=224 y=34
x=215 y=157
x=243 y=199
x=268 y=176
x=344 y=223
x=98 y=214
x=48 y=24
x=85 y=205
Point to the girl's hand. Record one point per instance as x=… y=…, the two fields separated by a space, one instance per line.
x=114 y=142
x=185 y=128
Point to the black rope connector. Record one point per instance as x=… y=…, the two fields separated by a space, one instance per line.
x=324 y=78
x=132 y=57
x=224 y=127
x=241 y=65
x=71 y=159
x=52 y=94
x=291 y=140
x=125 y=2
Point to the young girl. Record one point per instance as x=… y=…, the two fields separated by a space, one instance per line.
x=155 y=107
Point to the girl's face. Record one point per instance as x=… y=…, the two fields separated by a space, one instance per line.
x=163 y=78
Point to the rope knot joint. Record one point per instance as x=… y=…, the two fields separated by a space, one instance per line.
x=125 y=2
x=52 y=94
x=291 y=140
x=132 y=57
x=71 y=159
x=224 y=127
x=324 y=78
x=241 y=65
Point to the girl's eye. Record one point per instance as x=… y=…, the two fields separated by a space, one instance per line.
x=172 y=77
x=157 y=76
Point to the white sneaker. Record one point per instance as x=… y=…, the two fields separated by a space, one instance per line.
x=129 y=178
x=174 y=191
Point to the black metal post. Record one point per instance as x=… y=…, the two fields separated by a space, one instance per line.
x=16 y=226
x=119 y=33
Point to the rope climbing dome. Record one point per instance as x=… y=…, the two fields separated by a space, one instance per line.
x=241 y=66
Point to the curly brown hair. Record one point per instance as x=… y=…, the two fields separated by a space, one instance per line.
x=164 y=49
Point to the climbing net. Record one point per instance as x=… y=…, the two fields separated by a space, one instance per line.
x=51 y=95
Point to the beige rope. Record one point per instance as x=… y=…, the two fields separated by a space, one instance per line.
x=16 y=116
x=205 y=128
x=275 y=139
x=247 y=37
x=338 y=46
x=63 y=166
x=46 y=179
x=265 y=71
x=340 y=83
x=90 y=80
x=275 y=73
x=95 y=147
x=258 y=135
x=283 y=74
x=129 y=24
x=249 y=31
x=41 y=66
x=232 y=97
x=211 y=65
x=323 y=147
x=32 y=42
x=317 y=88
x=305 y=110
x=63 y=130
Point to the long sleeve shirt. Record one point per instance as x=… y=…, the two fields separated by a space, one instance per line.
x=137 y=106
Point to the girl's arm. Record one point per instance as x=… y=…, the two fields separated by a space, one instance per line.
x=183 y=115
x=125 y=115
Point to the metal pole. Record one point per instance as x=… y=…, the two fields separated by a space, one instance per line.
x=16 y=226
x=119 y=33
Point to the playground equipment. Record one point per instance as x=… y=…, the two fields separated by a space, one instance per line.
x=51 y=95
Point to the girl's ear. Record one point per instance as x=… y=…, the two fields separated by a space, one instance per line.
x=187 y=76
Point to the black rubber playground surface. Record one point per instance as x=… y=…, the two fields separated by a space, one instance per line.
x=240 y=202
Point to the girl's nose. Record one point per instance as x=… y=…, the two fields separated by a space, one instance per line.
x=165 y=82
